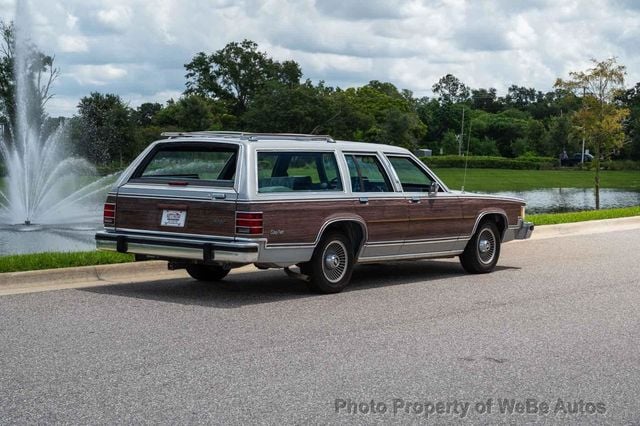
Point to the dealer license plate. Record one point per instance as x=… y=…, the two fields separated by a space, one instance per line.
x=173 y=218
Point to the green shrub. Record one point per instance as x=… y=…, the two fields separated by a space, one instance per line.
x=620 y=165
x=478 y=162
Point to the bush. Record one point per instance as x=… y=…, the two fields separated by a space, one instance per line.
x=620 y=165
x=479 y=162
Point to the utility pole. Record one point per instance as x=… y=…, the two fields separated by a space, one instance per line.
x=461 y=140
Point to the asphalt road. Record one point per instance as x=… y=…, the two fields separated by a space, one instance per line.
x=557 y=323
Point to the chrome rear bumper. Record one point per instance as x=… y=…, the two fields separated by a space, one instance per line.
x=203 y=249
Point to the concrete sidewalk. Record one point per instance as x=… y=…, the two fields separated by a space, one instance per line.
x=47 y=279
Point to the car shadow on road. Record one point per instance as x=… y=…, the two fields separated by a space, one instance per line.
x=251 y=288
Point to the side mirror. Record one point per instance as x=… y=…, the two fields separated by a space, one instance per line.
x=433 y=188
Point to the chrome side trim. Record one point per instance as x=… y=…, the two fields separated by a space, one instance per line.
x=285 y=256
x=483 y=214
x=410 y=256
x=139 y=232
x=360 y=221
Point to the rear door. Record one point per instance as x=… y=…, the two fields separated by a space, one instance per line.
x=383 y=209
x=182 y=188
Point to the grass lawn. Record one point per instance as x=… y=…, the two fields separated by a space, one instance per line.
x=34 y=261
x=515 y=180
x=556 y=218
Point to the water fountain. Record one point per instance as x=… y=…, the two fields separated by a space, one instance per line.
x=45 y=190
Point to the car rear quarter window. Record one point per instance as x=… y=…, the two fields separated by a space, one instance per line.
x=298 y=171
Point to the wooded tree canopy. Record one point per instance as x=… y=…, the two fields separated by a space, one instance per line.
x=242 y=88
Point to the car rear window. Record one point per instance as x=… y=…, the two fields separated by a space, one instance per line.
x=298 y=171
x=194 y=164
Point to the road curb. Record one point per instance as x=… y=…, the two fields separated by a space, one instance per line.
x=113 y=272
x=140 y=271
x=588 y=227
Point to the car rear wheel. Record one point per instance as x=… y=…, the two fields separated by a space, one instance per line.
x=483 y=250
x=331 y=266
x=207 y=273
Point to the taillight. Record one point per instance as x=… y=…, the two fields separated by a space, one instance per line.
x=249 y=223
x=109 y=214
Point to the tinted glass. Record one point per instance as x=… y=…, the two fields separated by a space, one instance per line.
x=298 y=171
x=212 y=165
x=412 y=177
x=367 y=174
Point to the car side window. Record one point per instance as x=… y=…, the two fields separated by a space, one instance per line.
x=367 y=174
x=298 y=171
x=412 y=177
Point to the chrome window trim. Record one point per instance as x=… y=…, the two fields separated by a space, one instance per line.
x=422 y=166
x=380 y=157
x=255 y=190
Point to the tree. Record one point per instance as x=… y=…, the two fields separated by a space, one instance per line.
x=521 y=97
x=451 y=90
x=486 y=100
x=600 y=118
x=302 y=108
x=39 y=73
x=190 y=113
x=236 y=73
x=631 y=100
x=145 y=113
x=378 y=112
x=102 y=131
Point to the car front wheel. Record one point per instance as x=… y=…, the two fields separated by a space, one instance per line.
x=483 y=250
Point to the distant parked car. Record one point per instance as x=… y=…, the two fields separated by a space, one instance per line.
x=576 y=159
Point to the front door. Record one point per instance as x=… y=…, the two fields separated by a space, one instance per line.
x=435 y=218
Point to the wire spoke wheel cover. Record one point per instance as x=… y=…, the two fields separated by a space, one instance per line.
x=483 y=249
x=334 y=261
x=486 y=246
x=331 y=265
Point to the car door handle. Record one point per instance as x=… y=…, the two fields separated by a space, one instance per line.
x=363 y=200
x=414 y=200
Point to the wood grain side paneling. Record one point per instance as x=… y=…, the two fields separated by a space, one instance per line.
x=299 y=223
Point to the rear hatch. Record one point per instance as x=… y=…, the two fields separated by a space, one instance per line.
x=181 y=188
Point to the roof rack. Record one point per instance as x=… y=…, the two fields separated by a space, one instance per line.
x=251 y=137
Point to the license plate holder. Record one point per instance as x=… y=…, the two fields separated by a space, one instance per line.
x=173 y=218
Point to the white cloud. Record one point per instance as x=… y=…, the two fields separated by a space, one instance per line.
x=117 y=17
x=72 y=44
x=72 y=21
x=137 y=48
x=97 y=75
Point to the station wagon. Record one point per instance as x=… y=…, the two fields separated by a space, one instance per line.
x=212 y=201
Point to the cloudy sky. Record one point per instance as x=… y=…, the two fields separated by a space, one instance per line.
x=137 y=48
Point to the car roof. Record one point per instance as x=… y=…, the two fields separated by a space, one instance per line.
x=271 y=141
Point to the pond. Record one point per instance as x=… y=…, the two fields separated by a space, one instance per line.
x=40 y=238
x=556 y=200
